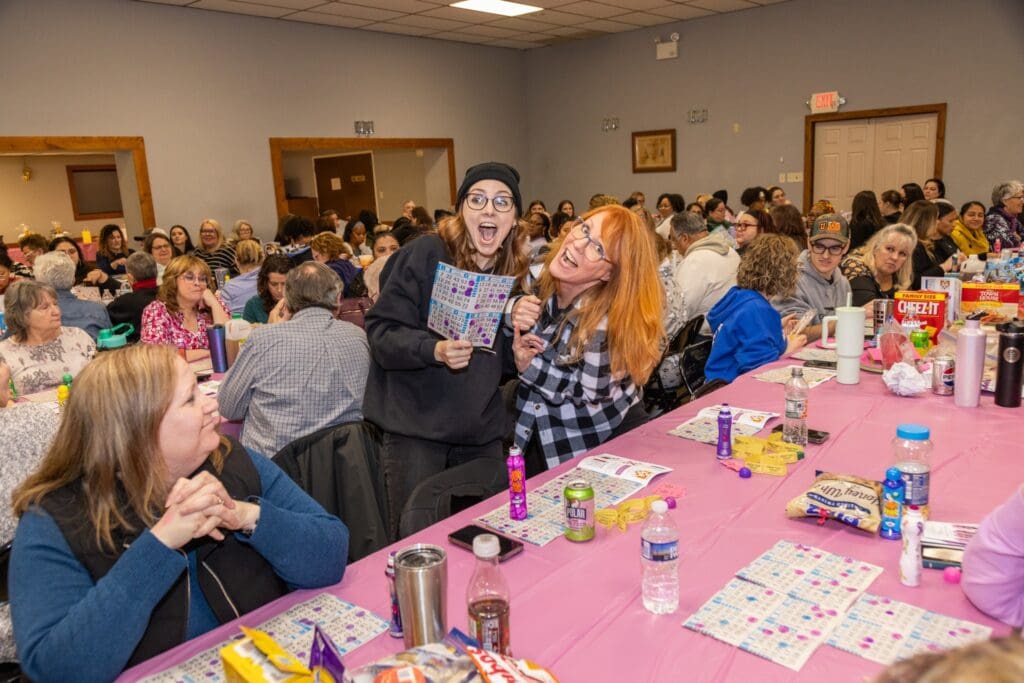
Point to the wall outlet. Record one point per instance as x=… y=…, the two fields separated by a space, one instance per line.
x=794 y=177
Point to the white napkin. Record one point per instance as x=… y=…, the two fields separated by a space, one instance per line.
x=903 y=379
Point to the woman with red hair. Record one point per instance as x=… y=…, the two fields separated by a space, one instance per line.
x=597 y=341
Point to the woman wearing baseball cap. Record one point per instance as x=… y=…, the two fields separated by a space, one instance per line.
x=435 y=399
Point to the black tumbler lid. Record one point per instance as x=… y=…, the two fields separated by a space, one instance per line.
x=1015 y=326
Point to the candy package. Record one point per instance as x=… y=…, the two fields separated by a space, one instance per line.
x=847 y=499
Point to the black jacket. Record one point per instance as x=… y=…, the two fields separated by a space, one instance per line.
x=127 y=308
x=235 y=578
x=337 y=467
x=410 y=393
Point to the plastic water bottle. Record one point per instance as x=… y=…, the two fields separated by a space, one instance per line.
x=723 y=450
x=487 y=598
x=893 y=490
x=794 y=429
x=911 y=450
x=970 y=363
x=910 y=559
x=237 y=329
x=659 y=545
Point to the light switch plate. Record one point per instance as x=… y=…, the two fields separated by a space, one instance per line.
x=794 y=177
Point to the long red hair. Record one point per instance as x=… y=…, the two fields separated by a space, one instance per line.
x=631 y=299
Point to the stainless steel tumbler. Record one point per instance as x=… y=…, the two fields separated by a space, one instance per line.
x=421 y=579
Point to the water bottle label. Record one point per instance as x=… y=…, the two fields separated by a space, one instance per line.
x=917 y=487
x=659 y=552
x=796 y=408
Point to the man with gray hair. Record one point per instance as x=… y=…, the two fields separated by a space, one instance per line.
x=54 y=268
x=300 y=375
x=127 y=308
x=708 y=267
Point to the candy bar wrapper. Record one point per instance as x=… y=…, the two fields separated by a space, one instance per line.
x=258 y=658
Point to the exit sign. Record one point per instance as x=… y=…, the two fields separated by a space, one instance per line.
x=823 y=102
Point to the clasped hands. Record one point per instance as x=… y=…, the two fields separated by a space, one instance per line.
x=199 y=507
x=455 y=353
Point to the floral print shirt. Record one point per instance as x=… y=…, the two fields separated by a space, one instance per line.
x=38 y=367
x=160 y=326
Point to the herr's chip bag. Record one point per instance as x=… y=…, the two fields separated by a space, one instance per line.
x=847 y=499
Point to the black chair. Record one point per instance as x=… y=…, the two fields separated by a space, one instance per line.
x=10 y=672
x=668 y=387
x=338 y=467
x=709 y=387
x=451 y=491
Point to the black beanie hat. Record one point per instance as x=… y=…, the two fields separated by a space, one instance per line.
x=492 y=170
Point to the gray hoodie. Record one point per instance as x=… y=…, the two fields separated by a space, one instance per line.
x=707 y=272
x=814 y=292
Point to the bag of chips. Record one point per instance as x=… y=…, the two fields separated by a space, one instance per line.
x=847 y=499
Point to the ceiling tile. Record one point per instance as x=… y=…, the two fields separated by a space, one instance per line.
x=639 y=4
x=327 y=19
x=429 y=22
x=643 y=19
x=169 y=2
x=593 y=10
x=386 y=27
x=489 y=31
x=682 y=12
x=345 y=9
x=767 y=2
x=521 y=25
x=517 y=44
x=607 y=26
x=399 y=5
x=556 y=17
x=722 y=5
x=568 y=31
x=241 y=8
x=460 y=37
x=288 y=4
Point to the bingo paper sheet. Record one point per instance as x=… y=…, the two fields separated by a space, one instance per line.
x=886 y=631
x=546 y=515
x=813 y=376
x=831 y=581
x=704 y=427
x=466 y=305
x=348 y=625
x=811 y=353
x=764 y=622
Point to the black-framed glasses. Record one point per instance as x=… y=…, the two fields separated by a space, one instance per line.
x=833 y=249
x=745 y=226
x=594 y=250
x=501 y=203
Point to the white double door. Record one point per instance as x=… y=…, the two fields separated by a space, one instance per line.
x=872 y=154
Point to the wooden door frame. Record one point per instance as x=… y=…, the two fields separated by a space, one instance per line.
x=939 y=109
x=94 y=145
x=280 y=145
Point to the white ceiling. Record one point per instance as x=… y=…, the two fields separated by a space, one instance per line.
x=560 y=21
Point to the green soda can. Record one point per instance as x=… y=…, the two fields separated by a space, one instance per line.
x=921 y=340
x=579 y=510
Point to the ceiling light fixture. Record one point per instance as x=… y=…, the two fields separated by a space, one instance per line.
x=502 y=7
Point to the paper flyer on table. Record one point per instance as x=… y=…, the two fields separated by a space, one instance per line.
x=468 y=306
x=813 y=376
x=613 y=478
x=704 y=426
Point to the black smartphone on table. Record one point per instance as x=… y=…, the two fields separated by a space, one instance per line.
x=463 y=538
x=814 y=436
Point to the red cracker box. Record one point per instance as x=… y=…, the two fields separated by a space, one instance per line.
x=997 y=299
x=928 y=307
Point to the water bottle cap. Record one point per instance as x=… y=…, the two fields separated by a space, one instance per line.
x=893 y=474
x=913 y=432
x=486 y=546
x=659 y=506
x=236 y=316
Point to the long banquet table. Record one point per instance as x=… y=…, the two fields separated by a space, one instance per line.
x=577 y=608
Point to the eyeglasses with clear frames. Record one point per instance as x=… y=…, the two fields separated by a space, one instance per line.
x=194 y=278
x=741 y=226
x=501 y=203
x=594 y=251
x=833 y=249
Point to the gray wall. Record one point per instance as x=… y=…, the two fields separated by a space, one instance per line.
x=207 y=89
x=756 y=69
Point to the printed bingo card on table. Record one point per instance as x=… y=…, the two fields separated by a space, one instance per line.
x=466 y=305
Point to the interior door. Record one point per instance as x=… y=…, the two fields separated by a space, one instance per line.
x=345 y=183
x=844 y=160
x=904 y=151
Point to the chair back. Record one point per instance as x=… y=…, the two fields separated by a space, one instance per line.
x=354 y=310
x=451 y=491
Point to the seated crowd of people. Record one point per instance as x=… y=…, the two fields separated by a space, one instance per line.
x=132 y=482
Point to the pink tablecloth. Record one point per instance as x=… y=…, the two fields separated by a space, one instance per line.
x=577 y=609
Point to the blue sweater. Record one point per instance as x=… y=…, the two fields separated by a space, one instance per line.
x=748 y=334
x=69 y=628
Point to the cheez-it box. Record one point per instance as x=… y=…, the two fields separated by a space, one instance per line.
x=928 y=307
x=998 y=300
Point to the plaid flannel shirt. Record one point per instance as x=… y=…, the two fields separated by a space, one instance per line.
x=573 y=404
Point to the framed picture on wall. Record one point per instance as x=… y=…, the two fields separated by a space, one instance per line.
x=654 y=151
